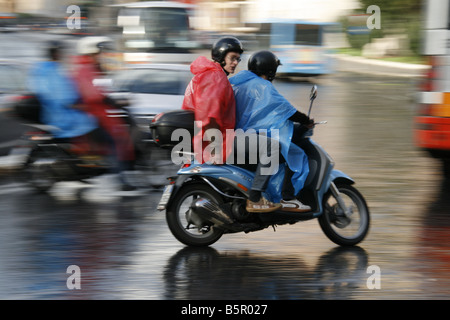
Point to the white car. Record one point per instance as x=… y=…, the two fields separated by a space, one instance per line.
x=151 y=89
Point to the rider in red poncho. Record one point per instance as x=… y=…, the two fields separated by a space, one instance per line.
x=94 y=101
x=211 y=97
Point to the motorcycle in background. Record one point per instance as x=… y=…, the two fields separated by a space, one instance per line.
x=204 y=202
x=47 y=160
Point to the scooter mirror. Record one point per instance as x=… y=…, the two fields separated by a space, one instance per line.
x=313 y=93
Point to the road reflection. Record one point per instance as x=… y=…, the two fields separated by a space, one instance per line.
x=126 y=253
x=125 y=250
x=40 y=242
x=205 y=273
x=433 y=248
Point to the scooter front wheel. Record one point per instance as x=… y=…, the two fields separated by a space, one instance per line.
x=38 y=172
x=345 y=228
x=183 y=224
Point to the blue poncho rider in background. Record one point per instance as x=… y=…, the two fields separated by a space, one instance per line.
x=260 y=106
x=58 y=95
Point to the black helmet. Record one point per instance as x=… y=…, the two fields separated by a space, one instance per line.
x=54 y=49
x=264 y=63
x=224 y=45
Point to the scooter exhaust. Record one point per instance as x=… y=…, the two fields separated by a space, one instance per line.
x=210 y=211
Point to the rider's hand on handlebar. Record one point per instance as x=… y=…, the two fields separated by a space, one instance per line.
x=310 y=125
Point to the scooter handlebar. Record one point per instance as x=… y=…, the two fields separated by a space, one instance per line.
x=308 y=132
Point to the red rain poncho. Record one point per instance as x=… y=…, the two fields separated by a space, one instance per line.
x=210 y=96
x=94 y=99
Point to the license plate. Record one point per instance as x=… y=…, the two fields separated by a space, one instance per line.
x=165 y=197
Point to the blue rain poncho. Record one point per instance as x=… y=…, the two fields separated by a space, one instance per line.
x=260 y=106
x=57 y=93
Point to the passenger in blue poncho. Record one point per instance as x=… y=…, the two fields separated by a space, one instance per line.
x=260 y=106
x=57 y=94
x=63 y=109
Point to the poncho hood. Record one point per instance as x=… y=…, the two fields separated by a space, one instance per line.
x=203 y=64
x=258 y=103
x=243 y=76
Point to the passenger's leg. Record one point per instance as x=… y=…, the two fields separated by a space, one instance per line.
x=289 y=199
x=268 y=163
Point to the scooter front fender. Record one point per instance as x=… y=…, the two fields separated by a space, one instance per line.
x=335 y=176
x=338 y=176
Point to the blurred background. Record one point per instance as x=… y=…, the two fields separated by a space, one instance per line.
x=383 y=74
x=143 y=27
x=311 y=38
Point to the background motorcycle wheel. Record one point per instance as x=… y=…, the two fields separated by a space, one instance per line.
x=181 y=228
x=38 y=173
x=340 y=229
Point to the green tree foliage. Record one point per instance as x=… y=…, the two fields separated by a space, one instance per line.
x=397 y=17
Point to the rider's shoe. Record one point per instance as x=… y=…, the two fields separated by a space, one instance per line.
x=294 y=206
x=263 y=205
x=92 y=161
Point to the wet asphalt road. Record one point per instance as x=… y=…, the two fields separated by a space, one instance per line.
x=125 y=251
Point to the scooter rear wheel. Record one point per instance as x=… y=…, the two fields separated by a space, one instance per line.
x=343 y=230
x=181 y=226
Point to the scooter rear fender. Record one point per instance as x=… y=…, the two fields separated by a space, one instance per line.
x=238 y=177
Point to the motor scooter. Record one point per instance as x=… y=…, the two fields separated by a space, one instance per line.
x=46 y=160
x=203 y=201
